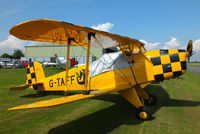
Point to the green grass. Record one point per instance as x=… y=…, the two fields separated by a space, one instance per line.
x=193 y=64
x=177 y=111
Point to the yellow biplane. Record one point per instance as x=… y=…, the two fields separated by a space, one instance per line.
x=126 y=71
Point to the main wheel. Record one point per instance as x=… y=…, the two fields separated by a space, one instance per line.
x=143 y=113
x=152 y=100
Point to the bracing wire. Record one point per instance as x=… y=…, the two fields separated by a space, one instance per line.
x=121 y=75
x=113 y=61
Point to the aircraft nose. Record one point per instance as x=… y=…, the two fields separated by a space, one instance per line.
x=169 y=63
x=177 y=65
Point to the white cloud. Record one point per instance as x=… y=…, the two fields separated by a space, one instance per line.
x=172 y=44
x=151 y=46
x=10 y=44
x=196 y=45
x=196 y=49
x=103 y=27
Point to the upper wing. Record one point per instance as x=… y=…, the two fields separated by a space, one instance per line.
x=59 y=32
x=67 y=99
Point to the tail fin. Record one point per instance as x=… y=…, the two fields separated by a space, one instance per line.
x=35 y=73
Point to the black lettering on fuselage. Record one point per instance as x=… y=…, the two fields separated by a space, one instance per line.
x=72 y=78
x=81 y=77
x=62 y=82
x=58 y=79
x=51 y=83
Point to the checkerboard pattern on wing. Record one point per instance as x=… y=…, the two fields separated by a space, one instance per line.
x=168 y=63
x=31 y=77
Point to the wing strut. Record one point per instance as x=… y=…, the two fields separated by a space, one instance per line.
x=67 y=62
x=87 y=88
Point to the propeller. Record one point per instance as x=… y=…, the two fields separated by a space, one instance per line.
x=189 y=50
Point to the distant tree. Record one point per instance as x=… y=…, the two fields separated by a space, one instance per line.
x=5 y=55
x=18 y=54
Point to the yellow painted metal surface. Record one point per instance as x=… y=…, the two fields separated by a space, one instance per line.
x=67 y=65
x=131 y=96
x=122 y=80
x=76 y=81
x=142 y=73
x=87 y=64
x=35 y=74
x=20 y=87
x=148 y=66
x=167 y=63
x=142 y=69
x=67 y=99
x=52 y=31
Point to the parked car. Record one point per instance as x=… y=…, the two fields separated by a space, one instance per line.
x=6 y=64
x=24 y=63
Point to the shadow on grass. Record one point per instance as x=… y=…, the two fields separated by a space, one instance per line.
x=106 y=120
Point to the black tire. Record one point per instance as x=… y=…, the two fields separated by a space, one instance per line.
x=143 y=113
x=152 y=100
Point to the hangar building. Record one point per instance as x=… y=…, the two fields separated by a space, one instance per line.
x=46 y=52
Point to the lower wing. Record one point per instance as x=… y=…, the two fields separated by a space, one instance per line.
x=67 y=99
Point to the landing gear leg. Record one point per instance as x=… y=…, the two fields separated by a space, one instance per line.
x=149 y=99
x=132 y=96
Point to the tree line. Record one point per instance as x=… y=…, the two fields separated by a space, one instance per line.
x=17 y=54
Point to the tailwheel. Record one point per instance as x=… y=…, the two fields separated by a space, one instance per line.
x=143 y=113
x=152 y=100
x=86 y=92
x=65 y=93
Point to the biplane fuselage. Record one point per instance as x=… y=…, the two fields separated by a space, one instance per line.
x=139 y=67
x=165 y=64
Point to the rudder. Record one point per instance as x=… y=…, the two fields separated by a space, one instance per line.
x=35 y=73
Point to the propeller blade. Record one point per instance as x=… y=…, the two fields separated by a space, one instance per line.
x=189 y=46
x=189 y=50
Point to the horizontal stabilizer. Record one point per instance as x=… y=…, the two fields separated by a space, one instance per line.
x=63 y=100
x=23 y=87
x=20 y=87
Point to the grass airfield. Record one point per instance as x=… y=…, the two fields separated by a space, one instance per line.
x=194 y=64
x=177 y=111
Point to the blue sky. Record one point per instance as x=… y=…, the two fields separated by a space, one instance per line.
x=152 y=21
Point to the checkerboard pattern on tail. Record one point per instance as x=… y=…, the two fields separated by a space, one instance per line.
x=31 y=75
x=168 y=63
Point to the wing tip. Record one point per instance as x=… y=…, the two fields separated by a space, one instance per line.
x=12 y=108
